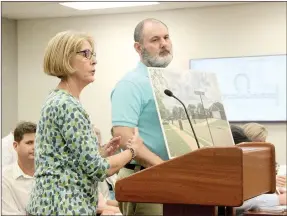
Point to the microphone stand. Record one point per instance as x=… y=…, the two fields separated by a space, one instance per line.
x=195 y=137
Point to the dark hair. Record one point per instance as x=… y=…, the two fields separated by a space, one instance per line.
x=112 y=131
x=238 y=134
x=140 y=26
x=24 y=128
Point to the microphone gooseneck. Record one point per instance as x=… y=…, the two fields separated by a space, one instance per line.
x=170 y=94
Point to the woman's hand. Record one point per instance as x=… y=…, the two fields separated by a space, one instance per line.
x=143 y=155
x=137 y=150
x=136 y=143
x=111 y=147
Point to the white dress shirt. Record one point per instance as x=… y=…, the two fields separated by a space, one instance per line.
x=16 y=188
x=9 y=154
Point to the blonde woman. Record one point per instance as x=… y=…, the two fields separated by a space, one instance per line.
x=67 y=161
x=255 y=132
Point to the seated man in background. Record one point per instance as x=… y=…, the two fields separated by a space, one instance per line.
x=17 y=178
x=264 y=200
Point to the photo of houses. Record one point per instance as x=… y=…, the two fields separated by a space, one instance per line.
x=200 y=93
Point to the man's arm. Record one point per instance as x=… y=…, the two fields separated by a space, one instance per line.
x=9 y=205
x=127 y=105
x=147 y=157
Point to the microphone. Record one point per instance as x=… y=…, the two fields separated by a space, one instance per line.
x=170 y=94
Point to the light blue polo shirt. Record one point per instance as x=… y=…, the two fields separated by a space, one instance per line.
x=133 y=105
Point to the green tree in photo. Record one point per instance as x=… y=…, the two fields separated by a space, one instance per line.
x=191 y=109
x=175 y=113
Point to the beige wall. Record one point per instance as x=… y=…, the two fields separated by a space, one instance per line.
x=9 y=76
x=236 y=30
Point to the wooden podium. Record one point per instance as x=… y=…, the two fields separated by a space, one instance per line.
x=196 y=183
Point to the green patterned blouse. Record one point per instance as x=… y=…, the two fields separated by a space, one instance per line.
x=68 y=163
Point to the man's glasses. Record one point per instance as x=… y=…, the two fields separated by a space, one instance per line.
x=87 y=54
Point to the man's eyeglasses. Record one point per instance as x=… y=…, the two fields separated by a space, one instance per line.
x=87 y=54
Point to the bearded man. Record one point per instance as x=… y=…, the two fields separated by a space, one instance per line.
x=133 y=106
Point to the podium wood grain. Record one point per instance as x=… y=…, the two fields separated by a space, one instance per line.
x=212 y=176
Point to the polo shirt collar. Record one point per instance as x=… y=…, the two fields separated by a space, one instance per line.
x=142 y=68
x=17 y=172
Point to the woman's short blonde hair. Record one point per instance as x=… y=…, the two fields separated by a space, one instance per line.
x=60 y=50
x=255 y=132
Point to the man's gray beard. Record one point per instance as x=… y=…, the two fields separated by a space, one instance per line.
x=156 y=61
